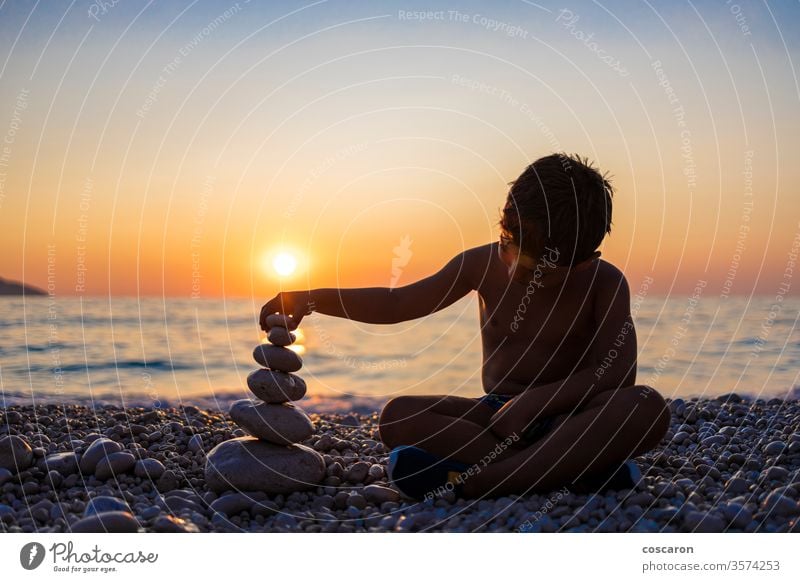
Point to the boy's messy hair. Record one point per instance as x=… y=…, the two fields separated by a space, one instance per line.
x=561 y=202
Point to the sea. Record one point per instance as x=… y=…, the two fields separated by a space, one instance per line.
x=162 y=352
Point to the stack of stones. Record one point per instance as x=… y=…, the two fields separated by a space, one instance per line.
x=271 y=460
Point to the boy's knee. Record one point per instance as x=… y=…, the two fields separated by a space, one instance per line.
x=391 y=419
x=653 y=413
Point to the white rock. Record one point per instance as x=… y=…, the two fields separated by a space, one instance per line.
x=281 y=424
x=275 y=387
x=248 y=464
x=277 y=358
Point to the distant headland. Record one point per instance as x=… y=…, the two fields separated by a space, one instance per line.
x=14 y=288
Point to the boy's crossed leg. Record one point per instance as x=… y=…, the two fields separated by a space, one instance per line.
x=612 y=427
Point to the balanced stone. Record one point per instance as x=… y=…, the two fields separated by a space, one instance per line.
x=281 y=320
x=277 y=358
x=276 y=387
x=248 y=464
x=15 y=453
x=282 y=424
x=280 y=336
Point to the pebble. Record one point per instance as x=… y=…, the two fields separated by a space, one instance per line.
x=108 y=522
x=234 y=503
x=277 y=358
x=376 y=472
x=711 y=441
x=276 y=387
x=99 y=449
x=281 y=424
x=775 y=473
x=737 y=485
x=114 y=465
x=168 y=481
x=6 y=513
x=103 y=504
x=778 y=504
x=356 y=500
x=150 y=512
x=172 y=524
x=149 y=468
x=774 y=448
x=280 y=336
x=681 y=436
x=248 y=464
x=65 y=463
x=357 y=472
x=680 y=479
x=178 y=504
x=195 y=443
x=702 y=522
x=377 y=494
x=737 y=514
x=15 y=453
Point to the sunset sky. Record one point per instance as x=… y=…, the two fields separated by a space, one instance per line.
x=174 y=148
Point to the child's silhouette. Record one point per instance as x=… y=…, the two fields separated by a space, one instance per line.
x=559 y=351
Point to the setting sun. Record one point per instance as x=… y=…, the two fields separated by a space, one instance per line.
x=284 y=264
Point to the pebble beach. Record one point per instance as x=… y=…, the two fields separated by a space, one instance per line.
x=731 y=463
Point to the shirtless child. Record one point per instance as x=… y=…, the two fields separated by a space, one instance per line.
x=562 y=407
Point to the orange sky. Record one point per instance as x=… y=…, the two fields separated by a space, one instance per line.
x=165 y=164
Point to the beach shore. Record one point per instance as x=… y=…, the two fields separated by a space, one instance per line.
x=727 y=464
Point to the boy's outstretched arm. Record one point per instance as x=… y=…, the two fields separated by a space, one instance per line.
x=384 y=304
x=614 y=364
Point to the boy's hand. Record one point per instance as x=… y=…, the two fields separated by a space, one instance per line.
x=517 y=415
x=511 y=419
x=298 y=304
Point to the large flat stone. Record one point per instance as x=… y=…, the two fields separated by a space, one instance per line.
x=248 y=464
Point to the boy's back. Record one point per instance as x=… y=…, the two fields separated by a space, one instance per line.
x=540 y=331
x=559 y=350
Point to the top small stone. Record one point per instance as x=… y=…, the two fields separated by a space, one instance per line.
x=281 y=320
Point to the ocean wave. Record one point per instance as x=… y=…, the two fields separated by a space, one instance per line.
x=153 y=365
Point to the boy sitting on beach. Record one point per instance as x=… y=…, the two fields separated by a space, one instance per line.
x=562 y=407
